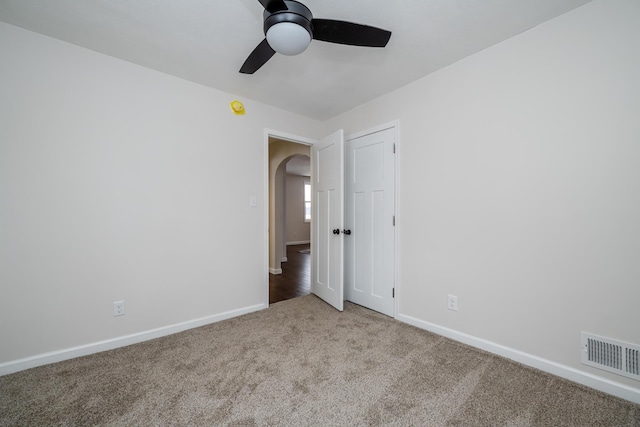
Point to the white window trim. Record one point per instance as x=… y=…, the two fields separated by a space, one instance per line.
x=304 y=201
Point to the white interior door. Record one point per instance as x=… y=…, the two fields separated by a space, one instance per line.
x=369 y=214
x=327 y=172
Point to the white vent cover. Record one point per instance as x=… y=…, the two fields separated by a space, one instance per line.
x=611 y=355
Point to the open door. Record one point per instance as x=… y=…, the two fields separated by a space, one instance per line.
x=327 y=172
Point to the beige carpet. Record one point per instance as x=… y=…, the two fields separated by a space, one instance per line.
x=301 y=363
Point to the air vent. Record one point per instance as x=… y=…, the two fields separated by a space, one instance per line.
x=611 y=355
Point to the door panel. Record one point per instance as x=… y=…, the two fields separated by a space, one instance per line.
x=327 y=171
x=377 y=243
x=369 y=210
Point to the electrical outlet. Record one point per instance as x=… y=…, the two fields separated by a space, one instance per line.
x=452 y=302
x=118 y=308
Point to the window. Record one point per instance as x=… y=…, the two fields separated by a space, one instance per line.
x=307 y=201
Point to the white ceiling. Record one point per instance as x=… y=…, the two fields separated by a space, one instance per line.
x=206 y=41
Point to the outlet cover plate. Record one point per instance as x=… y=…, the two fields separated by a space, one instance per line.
x=118 y=308
x=452 y=302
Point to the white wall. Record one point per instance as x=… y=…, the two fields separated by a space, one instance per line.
x=114 y=185
x=296 y=230
x=519 y=188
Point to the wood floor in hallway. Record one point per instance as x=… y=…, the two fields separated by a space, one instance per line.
x=295 y=278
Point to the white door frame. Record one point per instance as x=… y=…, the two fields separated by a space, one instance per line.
x=265 y=196
x=395 y=125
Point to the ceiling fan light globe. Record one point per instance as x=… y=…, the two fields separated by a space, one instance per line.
x=288 y=38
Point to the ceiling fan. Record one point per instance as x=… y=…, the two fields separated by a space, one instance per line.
x=289 y=27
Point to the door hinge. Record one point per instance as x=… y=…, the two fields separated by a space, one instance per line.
x=394 y=148
x=394 y=220
x=393 y=292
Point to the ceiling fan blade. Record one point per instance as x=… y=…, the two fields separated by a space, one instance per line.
x=260 y=55
x=273 y=5
x=329 y=30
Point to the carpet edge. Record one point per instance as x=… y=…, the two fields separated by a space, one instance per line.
x=601 y=384
x=18 y=365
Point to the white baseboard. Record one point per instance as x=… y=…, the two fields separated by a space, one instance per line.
x=301 y=242
x=602 y=384
x=275 y=270
x=85 y=350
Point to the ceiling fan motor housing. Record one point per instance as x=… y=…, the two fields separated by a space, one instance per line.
x=296 y=13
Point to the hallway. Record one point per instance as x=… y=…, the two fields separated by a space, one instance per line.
x=295 y=278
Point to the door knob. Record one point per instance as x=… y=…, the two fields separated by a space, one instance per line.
x=347 y=232
x=336 y=231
